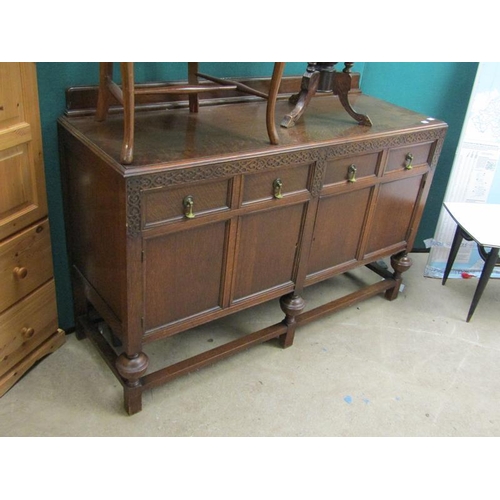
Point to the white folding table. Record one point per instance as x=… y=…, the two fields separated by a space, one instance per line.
x=479 y=222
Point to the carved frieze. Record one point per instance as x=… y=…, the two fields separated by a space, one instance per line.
x=230 y=168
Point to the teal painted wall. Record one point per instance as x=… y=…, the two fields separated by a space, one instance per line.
x=441 y=90
x=437 y=89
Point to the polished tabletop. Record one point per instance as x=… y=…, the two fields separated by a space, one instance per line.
x=176 y=137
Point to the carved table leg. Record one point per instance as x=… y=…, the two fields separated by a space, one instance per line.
x=400 y=263
x=132 y=368
x=308 y=88
x=322 y=77
x=341 y=87
x=292 y=305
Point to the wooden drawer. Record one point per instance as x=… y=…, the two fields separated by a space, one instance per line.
x=407 y=157
x=344 y=170
x=26 y=325
x=25 y=263
x=264 y=185
x=163 y=205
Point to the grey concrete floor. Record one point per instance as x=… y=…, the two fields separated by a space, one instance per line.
x=411 y=367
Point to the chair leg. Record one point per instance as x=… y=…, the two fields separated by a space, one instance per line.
x=128 y=89
x=193 y=80
x=103 y=96
x=271 y=102
x=457 y=240
x=483 y=280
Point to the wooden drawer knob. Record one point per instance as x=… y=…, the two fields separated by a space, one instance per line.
x=20 y=272
x=28 y=332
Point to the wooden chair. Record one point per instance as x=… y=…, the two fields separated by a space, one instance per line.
x=127 y=92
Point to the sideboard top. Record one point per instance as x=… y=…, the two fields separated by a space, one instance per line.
x=175 y=138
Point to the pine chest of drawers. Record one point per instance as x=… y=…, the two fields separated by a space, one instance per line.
x=28 y=309
x=211 y=219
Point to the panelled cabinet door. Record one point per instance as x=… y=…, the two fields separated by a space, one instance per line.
x=22 y=186
x=338 y=230
x=395 y=208
x=267 y=250
x=183 y=274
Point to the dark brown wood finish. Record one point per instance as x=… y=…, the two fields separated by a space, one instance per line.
x=264 y=245
x=323 y=77
x=210 y=219
x=183 y=281
x=339 y=224
x=83 y=100
x=126 y=95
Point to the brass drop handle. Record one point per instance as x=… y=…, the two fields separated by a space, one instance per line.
x=20 y=272
x=188 y=203
x=351 y=173
x=27 y=332
x=408 y=160
x=277 y=187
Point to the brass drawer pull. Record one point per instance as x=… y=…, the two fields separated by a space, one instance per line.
x=188 y=203
x=408 y=160
x=20 y=272
x=27 y=332
x=351 y=173
x=277 y=187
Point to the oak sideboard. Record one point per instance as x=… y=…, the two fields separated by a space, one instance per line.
x=211 y=219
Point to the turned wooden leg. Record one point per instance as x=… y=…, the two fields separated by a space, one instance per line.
x=292 y=305
x=400 y=263
x=271 y=102
x=128 y=90
x=103 y=96
x=341 y=87
x=308 y=87
x=132 y=368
